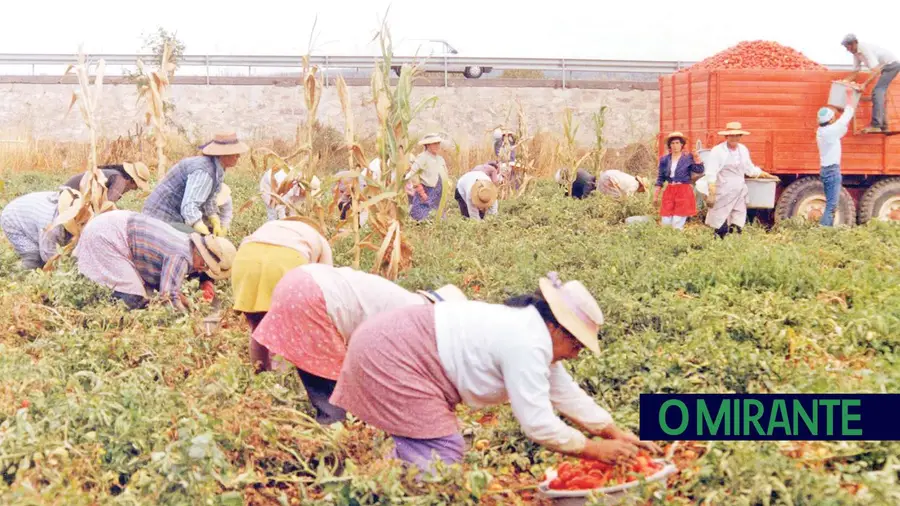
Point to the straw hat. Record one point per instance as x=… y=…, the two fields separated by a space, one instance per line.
x=224 y=143
x=733 y=128
x=217 y=252
x=643 y=184
x=69 y=205
x=484 y=194
x=139 y=173
x=431 y=139
x=446 y=293
x=575 y=309
x=676 y=135
x=223 y=195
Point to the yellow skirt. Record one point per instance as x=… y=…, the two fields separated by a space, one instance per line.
x=257 y=268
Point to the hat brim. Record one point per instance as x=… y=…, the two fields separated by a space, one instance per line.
x=214 y=149
x=143 y=183
x=734 y=132
x=212 y=265
x=584 y=333
x=430 y=139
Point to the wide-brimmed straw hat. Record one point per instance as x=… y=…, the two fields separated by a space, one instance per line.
x=224 y=195
x=484 y=194
x=446 y=293
x=139 y=173
x=431 y=139
x=643 y=184
x=574 y=308
x=676 y=135
x=69 y=205
x=224 y=143
x=733 y=128
x=218 y=254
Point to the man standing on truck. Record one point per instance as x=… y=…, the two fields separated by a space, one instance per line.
x=828 y=137
x=883 y=65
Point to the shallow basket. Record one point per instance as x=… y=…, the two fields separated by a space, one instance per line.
x=610 y=495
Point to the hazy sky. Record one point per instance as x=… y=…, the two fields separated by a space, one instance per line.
x=642 y=29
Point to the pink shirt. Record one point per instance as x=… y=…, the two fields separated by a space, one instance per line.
x=295 y=235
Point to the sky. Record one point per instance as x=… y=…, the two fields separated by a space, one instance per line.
x=636 y=30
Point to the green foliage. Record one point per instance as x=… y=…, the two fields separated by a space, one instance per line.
x=99 y=405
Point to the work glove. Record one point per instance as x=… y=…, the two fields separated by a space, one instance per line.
x=201 y=228
x=217 y=228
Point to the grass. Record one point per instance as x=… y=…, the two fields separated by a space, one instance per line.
x=103 y=406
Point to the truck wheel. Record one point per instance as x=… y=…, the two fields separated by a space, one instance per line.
x=806 y=198
x=473 y=72
x=881 y=201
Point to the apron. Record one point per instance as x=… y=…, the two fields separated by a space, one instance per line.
x=731 y=195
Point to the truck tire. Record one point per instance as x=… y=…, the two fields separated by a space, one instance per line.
x=881 y=201
x=473 y=72
x=806 y=197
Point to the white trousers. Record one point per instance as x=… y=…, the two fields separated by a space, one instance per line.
x=676 y=222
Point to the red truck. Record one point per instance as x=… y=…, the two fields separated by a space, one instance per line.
x=778 y=108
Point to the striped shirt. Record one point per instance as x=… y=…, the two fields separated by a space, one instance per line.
x=162 y=255
x=188 y=192
x=24 y=219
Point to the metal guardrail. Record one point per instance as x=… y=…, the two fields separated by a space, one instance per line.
x=447 y=64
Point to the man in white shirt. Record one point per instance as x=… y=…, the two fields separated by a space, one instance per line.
x=828 y=137
x=883 y=65
x=476 y=195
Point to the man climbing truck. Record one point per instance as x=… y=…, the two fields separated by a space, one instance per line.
x=775 y=92
x=881 y=64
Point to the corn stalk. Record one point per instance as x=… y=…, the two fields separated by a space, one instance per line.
x=152 y=87
x=569 y=152
x=93 y=183
x=395 y=111
x=599 y=120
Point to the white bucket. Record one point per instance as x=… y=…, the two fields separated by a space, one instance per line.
x=761 y=193
x=837 y=97
x=610 y=495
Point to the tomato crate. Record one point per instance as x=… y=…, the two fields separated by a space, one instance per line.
x=611 y=495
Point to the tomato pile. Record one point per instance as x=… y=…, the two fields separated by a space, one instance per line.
x=591 y=474
x=757 y=54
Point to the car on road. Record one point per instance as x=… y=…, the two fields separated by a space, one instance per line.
x=433 y=51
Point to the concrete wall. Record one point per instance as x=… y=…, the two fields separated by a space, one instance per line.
x=265 y=111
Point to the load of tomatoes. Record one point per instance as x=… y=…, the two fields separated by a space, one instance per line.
x=590 y=474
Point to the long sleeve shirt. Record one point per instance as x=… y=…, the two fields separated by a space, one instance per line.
x=829 y=137
x=161 y=255
x=428 y=169
x=352 y=296
x=682 y=171
x=493 y=354
x=24 y=219
x=616 y=183
x=188 y=191
x=464 y=187
x=721 y=155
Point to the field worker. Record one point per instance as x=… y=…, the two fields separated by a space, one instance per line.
x=276 y=210
x=426 y=177
x=120 y=179
x=675 y=169
x=618 y=184
x=492 y=169
x=186 y=196
x=727 y=165
x=25 y=221
x=315 y=310
x=585 y=183
x=476 y=195
x=504 y=136
x=882 y=65
x=132 y=253
x=407 y=370
x=265 y=256
x=828 y=137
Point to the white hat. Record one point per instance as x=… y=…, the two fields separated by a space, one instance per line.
x=733 y=128
x=446 y=293
x=218 y=253
x=575 y=309
x=224 y=143
x=430 y=139
x=825 y=115
x=139 y=173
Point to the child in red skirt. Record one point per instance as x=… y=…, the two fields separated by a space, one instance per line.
x=675 y=169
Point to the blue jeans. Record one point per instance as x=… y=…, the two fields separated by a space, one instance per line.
x=831 y=178
x=888 y=73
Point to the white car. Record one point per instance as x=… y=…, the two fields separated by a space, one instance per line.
x=433 y=51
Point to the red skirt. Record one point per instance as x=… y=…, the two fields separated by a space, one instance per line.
x=678 y=200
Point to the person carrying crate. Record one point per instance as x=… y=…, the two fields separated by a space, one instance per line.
x=828 y=137
x=882 y=65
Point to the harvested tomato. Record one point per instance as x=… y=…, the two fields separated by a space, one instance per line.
x=757 y=54
x=591 y=474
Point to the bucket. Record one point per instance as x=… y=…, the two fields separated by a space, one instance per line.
x=837 y=97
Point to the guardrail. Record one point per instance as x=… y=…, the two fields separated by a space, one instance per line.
x=445 y=64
